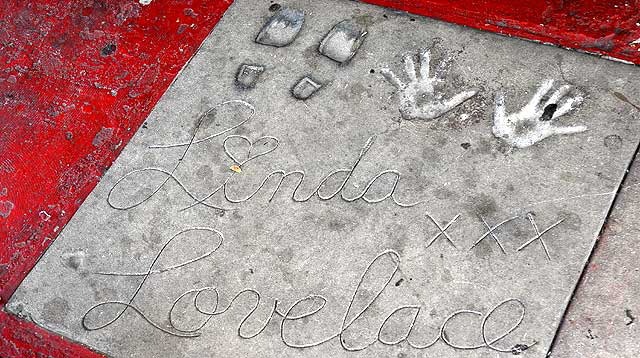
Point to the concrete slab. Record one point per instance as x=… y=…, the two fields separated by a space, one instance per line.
x=603 y=318
x=511 y=176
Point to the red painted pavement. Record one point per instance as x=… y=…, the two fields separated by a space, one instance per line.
x=22 y=339
x=77 y=78
x=607 y=27
x=76 y=81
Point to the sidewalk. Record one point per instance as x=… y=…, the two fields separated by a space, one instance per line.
x=342 y=178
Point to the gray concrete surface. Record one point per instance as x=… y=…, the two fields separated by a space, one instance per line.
x=320 y=249
x=603 y=318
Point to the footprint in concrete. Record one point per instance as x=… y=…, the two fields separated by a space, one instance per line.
x=248 y=75
x=343 y=41
x=282 y=28
x=340 y=44
x=305 y=87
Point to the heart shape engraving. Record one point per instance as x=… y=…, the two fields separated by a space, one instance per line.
x=263 y=149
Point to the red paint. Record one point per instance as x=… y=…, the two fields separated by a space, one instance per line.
x=603 y=27
x=25 y=340
x=76 y=81
x=79 y=77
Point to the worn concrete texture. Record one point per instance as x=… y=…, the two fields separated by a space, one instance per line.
x=603 y=318
x=316 y=262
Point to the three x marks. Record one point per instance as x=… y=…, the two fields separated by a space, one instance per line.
x=490 y=233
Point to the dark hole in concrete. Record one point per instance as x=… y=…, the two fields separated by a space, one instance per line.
x=465 y=145
x=630 y=317
x=548 y=112
x=275 y=7
x=519 y=349
x=372 y=71
x=613 y=142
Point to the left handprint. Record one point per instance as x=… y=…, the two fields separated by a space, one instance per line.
x=419 y=98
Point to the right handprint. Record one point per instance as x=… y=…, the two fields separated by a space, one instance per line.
x=536 y=120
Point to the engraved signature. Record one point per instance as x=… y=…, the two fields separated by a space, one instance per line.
x=139 y=175
x=386 y=265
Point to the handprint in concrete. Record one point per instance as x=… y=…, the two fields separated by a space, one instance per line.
x=536 y=120
x=419 y=98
